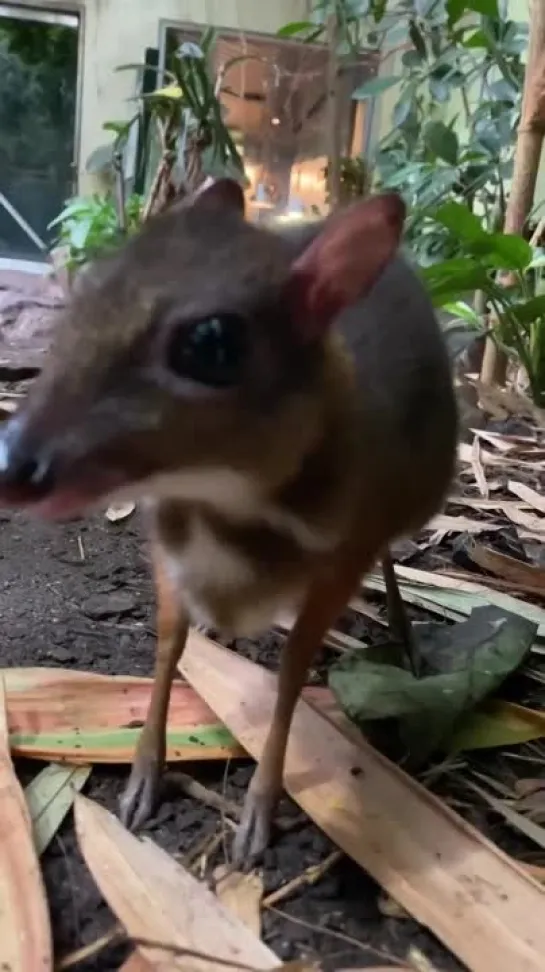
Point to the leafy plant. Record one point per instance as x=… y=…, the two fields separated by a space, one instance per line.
x=518 y=310
x=89 y=226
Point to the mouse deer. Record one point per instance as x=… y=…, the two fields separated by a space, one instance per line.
x=280 y=402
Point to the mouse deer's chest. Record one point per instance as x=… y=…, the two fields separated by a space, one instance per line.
x=234 y=576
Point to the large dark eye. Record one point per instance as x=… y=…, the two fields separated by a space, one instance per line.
x=211 y=351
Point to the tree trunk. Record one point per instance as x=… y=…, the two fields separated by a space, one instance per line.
x=526 y=168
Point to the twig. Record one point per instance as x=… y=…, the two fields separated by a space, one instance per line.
x=210 y=798
x=310 y=876
x=86 y=952
x=340 y=936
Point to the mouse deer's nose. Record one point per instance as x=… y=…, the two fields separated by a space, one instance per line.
x=26 y=470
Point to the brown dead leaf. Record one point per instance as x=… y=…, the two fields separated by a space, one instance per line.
x=168 y=914
x=534 y=526
x=443 y=871
x=509 y=568
x=25 y=933
x=528 y=495
x=119 y=511
x=477 y=467
x=496 y=440
x=241 y=894
x=443 y=523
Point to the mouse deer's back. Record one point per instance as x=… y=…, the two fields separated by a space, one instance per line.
x=407 y=416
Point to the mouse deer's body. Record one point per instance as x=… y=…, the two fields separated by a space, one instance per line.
x=283 y=405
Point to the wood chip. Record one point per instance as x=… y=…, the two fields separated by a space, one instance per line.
x=446 y=874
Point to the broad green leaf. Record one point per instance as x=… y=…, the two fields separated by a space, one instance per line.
x=497 y=723
x=296 y=27
x=441 y=141
x=512 y=249
x=374 y=87
x=463 y=664
x=459 y=308
x=50 y=796
x=530 y=310
x=460 y=220
x=489 y=8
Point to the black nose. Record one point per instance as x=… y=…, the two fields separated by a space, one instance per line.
x=26 y=472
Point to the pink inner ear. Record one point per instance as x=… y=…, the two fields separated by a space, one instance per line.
x=344 y=261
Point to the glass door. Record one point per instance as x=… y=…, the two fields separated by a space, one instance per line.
x=38 y=100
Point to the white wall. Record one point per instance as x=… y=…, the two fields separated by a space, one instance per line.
x=118 y=31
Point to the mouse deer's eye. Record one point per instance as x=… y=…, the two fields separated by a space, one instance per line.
x=211 y=351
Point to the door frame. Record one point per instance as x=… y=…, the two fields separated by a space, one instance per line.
x=45 y=11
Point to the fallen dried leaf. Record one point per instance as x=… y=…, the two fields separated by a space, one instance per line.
x=509 y=568
x=477 y=467
x=49 y=797
x=527 y=494
x=498 y=723
x=120 y=511
x=241 y=894
x=167 y=913
x=454 y=598
x=85 y=718
x=446 y=874
x=25 y=933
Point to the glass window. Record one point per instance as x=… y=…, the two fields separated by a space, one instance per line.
x=275 y=106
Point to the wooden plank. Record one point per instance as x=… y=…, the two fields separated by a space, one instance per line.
x=482 y=905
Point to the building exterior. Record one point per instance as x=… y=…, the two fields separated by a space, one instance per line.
x=60 y=83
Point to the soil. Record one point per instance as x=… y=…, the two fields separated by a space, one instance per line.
x=49 y=601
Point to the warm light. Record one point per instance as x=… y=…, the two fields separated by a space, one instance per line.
x=275 y=121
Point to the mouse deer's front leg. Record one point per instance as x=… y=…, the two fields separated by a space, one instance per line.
x=140 y=796
x=325 y=600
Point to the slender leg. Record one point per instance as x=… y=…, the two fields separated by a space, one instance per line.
x=324 y=602
x=399 y=624
x=140 y=797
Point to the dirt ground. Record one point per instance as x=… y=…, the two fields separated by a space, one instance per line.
x=57 y=609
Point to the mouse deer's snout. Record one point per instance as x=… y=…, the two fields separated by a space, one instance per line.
x=27 y=467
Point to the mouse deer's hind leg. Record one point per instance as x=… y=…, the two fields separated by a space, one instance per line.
x=325 y=600
x=140 y=797
x=398 y=621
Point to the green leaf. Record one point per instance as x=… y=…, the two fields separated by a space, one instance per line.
x=502 y=251
x=459 y=219
x=489 y=8
x=50 y=796
x=441 y=141
x=497 y=723
x=374 y=87
x=417 y=40
x=454 y=277
x=296 y=27
x=465 y=663
x=460 y=309
x=529 y=311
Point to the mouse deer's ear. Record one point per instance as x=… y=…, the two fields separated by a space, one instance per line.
x=220 y=194
x=343 y=262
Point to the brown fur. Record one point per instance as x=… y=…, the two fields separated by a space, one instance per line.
x=284 y=486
